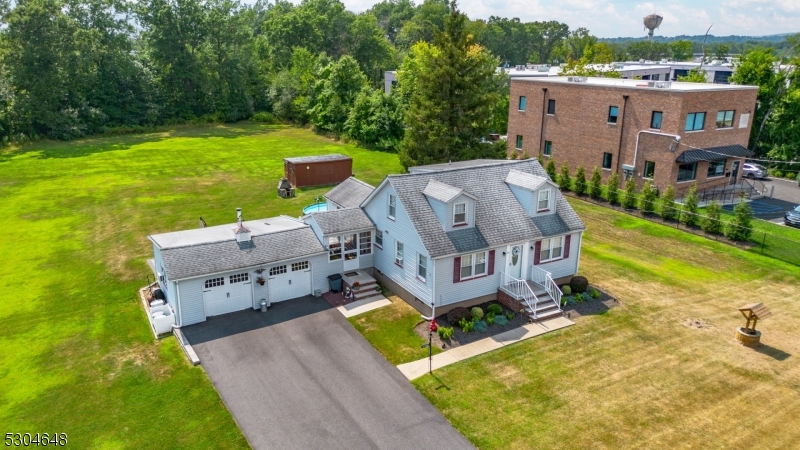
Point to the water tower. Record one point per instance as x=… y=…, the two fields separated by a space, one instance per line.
x=652 y=22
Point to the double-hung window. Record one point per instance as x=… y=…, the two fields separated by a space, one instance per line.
x=655 y=120
x=649 y=169
x=725 y=119
x=519 y=142
x=422 y=267
x=687 y=172
x=548 y=148
x=695 y=121
x=365 y=243
x=473 y=265
x=544 y=200
x=551 y=249
x=607 y=158
x=379 y=238
x=398 y=253
x=613 y=113
x=392 y=206
x=716 y=168
x=522 y=103
x=459 y=214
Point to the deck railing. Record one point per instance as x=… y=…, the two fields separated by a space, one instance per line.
x=545 y=279
x=520 y=289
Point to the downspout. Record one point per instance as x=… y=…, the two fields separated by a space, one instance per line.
x=541 y=129
x=178 y=304
x=636 y=150
x=621 y=131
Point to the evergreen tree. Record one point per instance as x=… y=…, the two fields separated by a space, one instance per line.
x=580 y=181
x=629 y=196
x=551 y=170
x=612 y=188
x=595 y=184
x=564 y=180
x=540 y=158
x=647 y=198
x=668 y=207
x=739 y=229
x=453 y=97
x=712 y=222
x=690 y=205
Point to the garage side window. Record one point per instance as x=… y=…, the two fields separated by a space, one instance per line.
x=239 y=278
x=299 y=266
x=277 y=270
x=214 y=282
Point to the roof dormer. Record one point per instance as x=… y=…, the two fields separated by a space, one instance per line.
x=454 y=207
x=536 y=194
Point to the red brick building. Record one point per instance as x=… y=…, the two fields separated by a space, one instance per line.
x=671 y=133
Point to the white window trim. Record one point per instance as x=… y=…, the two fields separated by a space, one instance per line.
x=539 y=200
x=550 y=240
x=474 y=259
x=420 y=258
x=397 y=245
x=465 y=214
x=644 y=177
x=376 y=244
x=390 y=206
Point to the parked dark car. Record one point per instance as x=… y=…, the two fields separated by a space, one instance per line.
x=792 y=217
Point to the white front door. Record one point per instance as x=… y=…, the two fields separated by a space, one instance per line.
x=350 y=255
x=288 y=281
x=515 y=261
x=228 y=294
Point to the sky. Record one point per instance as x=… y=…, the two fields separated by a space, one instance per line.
x=623 y=18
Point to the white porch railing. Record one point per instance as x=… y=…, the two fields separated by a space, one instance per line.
x=544 y=279
x=521 y=289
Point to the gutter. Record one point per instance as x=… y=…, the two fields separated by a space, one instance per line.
x=622 y=132
x=636 y=151
x=541 y=129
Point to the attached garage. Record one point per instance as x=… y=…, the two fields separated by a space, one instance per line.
x=227 y=268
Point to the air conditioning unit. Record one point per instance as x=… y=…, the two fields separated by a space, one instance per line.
x=543 y=68
x=577 y=79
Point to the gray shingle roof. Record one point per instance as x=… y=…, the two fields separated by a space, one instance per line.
x=204 y=259
x=317 y=158
x=350 y=193
x=525 y=180
x=441 y=191
x=500 y=218
x=341 y=220
x=714 y=153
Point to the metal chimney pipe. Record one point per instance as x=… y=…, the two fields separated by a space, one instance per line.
x=239 y=216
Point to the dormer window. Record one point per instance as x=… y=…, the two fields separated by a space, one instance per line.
x=459 y=214
x=392 y=206
x=544 y=200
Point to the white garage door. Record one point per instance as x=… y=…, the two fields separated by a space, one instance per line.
x=289 y=281
x=222 y=295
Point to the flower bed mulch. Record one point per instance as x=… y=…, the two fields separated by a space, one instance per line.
x=462 y=338
x=594 y=306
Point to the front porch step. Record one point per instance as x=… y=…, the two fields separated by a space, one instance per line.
x=541 y=317
x=366 y=291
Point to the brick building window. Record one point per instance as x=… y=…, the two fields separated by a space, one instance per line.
x=607 y=158
x=716 y=168
x=551 y=107
x=687 y=172
x=548 y=148
x=725 y=119
x=695 y=121
x=613 y=112
x=522 y=101
x=655 y=120
x=649 y=169
x=519 y=142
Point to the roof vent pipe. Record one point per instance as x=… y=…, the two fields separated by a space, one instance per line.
x=239 y=216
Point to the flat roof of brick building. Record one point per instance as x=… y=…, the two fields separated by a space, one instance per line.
x=637 y=84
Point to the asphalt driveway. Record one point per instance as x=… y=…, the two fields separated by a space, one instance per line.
x=300 y=377
x=785 y=196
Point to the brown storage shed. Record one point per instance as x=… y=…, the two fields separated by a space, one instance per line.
x=317 y=170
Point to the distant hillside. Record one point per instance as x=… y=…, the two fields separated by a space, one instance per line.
x=773 y=38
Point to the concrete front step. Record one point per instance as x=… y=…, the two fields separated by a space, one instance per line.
x=547 y=315
x=366 y=293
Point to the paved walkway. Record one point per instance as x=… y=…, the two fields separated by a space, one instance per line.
x=301 y=377
x=416 y=369
x=362 y=306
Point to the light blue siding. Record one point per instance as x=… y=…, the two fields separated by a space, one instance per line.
x=524 y=196
x=320 y=269
x=331 y=206
x=260 y=292
x=310 y=221
x=450 y=292
x=448 y=224
x=554 y=193
x=439 y=208
x=563 y=267
x=191 y=301
x=401 y=230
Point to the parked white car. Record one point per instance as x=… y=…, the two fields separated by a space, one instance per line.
x=752 y=170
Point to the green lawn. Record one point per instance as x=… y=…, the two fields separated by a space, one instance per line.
x=639 y=376
x=77 y=354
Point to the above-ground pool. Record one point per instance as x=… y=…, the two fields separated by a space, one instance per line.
x=316 y=207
